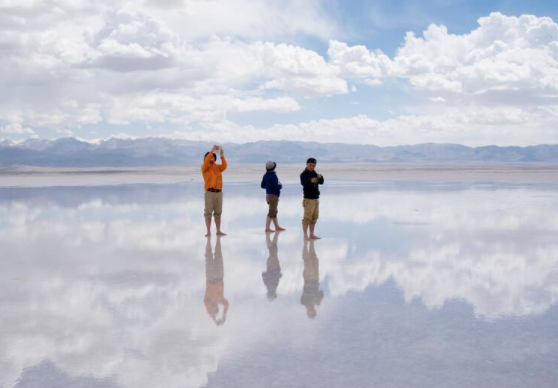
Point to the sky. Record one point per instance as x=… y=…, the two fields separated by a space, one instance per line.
x=384 y=72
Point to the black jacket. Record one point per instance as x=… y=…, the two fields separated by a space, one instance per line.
x=311 y=190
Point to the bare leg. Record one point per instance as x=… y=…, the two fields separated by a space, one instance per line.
x=276 y=223
x=305 y=229
x=218 y=226
x=208 y=226
x=312 y=235
x=267 y=225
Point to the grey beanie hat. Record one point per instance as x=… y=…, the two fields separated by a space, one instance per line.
x=270 y=166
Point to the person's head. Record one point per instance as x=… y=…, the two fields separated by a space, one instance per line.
x=311 y=164
x=270 y=166
x=214 y=157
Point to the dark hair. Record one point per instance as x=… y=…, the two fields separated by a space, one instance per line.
x=207 y=153
x=311 y=160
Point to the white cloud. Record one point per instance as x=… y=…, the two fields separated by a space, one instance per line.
x=359 y=62
x=174 y=108
x=134 y=41
x=173 y=65
x=18 y=130
x=124 y=66
x=295 y=69
x=469 y=125
x=503 y=53
x=437 y=99
x=245 y=19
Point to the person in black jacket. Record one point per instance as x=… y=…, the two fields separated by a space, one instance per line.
x=310 y=181
x=272 y=186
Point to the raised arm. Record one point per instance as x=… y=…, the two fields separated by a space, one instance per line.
x=223 y=165
x=205 y=165
x=320 y=179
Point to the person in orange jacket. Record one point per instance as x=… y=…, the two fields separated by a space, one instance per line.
x=213 y=185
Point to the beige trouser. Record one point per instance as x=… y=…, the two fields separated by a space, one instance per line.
x=213 y=204
x=273 y=202
x=311 y=211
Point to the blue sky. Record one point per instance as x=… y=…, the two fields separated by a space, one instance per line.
x=375 y=72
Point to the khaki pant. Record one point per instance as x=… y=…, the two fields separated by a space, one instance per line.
x=273 y=202
x=213 y=204
x=311 y=211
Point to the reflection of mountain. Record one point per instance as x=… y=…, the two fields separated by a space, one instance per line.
x=166 y=152
x=111 y=287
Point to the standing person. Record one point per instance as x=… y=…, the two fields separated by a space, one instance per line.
x=310 y=179
x=213 y=184
x=272 y=186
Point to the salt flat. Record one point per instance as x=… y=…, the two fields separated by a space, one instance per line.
x=414 y=284
x=404 y=172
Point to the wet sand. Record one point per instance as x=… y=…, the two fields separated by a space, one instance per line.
x=392 y=172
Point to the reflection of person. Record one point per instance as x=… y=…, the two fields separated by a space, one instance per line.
x=213 y=184
x=311 y=294
x=310 y=179
x=272 y=275
x=214 y=285
x=272 y=186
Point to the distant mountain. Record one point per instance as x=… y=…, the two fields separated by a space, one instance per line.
x=70 y=152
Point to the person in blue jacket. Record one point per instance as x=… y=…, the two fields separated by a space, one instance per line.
x=272 y=186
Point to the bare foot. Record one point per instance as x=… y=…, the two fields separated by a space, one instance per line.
x=314 y=237
x=269 y=231
x=208 y=234
x=279 y=229
x=219 y=233
x=306 y=238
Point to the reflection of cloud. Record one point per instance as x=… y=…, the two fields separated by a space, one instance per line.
x=105 y=288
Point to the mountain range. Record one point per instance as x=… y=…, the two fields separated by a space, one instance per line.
x=71 y=152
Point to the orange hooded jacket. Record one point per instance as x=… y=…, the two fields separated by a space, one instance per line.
x=212 y=172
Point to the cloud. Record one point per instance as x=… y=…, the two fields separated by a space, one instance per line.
x=295 y=69
x=358 y=62
x=475 y=126
x=246 y=19
x=134 y=41
x=503 y=53
x=174 y=108
x=120 y=65
x=18 y=130
x=170 y=67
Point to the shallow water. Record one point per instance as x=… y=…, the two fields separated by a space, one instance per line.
x=411 y=286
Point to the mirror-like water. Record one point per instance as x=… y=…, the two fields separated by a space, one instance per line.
x=411 y=286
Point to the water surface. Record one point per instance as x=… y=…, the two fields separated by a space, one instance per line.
x=412 y=285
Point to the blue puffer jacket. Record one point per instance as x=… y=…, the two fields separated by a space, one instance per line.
x=271 y=183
